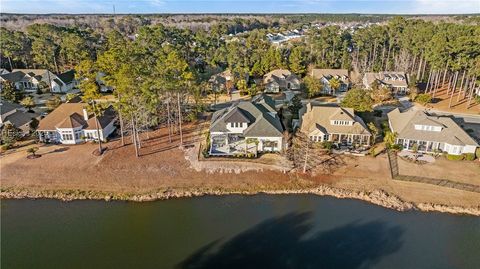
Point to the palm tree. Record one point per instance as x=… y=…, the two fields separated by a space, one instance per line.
x=32 y=150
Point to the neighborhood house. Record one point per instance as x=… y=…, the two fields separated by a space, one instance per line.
x=335 y=124
x=280 y=80
x=29 y=80
x=246 y=127
x=17 y=116
x=70 y=123
x=326 y=75
x=395 y=81
x=429 y=133
x=222 y=81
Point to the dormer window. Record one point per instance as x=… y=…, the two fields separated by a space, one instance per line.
x=428 y=128
x=342 y=122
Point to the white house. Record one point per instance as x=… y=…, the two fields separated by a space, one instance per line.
x=246 y=127
x=326 y=75
x=280 y=80
x=429 y=133
x=70 y=123
x=396 y=81
x=335 y=124
x=30 y=79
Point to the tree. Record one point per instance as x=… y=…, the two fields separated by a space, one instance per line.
x=335 y=84
x=10 y=93
x=390 y=139
x=297 y=61
x=295 y=106
x=381 y=94
x=32 y=151
x=373 y=129
x=53 y=102
x=313 y=86
x=358 y=99
x=310 y=156
x=415 y=151
x=242 y=86
x=423 y=98
x=28 y=102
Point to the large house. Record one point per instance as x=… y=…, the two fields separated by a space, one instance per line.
x=246 y=127
x=326 y=75
x=395 y=81
x=335 y=124
x=280 y=80
x=70 y=123
x=30 y=79
x=17 y=116
x=429 y=133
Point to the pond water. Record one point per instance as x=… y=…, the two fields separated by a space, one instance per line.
x=261 y=231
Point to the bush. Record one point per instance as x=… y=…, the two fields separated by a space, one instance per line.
x=397 y=147
x=469 y=156
x=423 y=98
x=452 y=157
x=205 y=153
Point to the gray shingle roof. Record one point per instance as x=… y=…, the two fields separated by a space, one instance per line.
x=261 y=122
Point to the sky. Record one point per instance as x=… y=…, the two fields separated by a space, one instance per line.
x=242 y=6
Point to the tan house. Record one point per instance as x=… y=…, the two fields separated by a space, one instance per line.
x=335 y=124
x=429 y=133
x=70 y=123
x=280 y=80
x=222 y=81
x=326 y=75
x=396 y=81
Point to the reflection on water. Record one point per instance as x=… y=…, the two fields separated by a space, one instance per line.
x=262 y=231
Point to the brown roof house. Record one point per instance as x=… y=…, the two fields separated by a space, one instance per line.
x=70 y=123
x=280 y=80
x=429 y=133
x=246 y=127
x=326 y=75
x=335 y=124
x=396 y=81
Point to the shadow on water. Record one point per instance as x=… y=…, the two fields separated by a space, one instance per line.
x=285 y=242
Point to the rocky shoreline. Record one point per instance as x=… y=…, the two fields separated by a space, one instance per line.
x=377 y=197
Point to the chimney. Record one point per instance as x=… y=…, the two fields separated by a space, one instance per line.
x=85 y=114
x=309 y=107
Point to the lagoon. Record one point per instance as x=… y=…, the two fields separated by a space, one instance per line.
x=234 y=231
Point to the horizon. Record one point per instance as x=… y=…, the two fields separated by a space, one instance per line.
x=228 y=7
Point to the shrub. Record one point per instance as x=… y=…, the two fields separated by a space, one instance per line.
x=469 y=156
x=397 y=147
x=423 y=98
x=452 y=157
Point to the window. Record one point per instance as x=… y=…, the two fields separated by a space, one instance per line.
x=67 y=136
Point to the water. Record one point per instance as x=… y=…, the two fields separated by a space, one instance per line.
x=288 y=231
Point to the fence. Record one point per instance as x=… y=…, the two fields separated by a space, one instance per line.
x=394 y=172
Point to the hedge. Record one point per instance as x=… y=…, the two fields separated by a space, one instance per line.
x=469 y=156
x=452 y=157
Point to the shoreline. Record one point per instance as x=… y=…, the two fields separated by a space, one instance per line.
x=377 y=197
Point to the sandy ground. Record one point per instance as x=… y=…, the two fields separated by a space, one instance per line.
x=163 y=165
x=457 y=107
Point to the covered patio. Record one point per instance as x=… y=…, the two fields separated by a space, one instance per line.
x=231 y=144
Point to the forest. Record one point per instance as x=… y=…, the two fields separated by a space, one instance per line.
x=160 y=72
